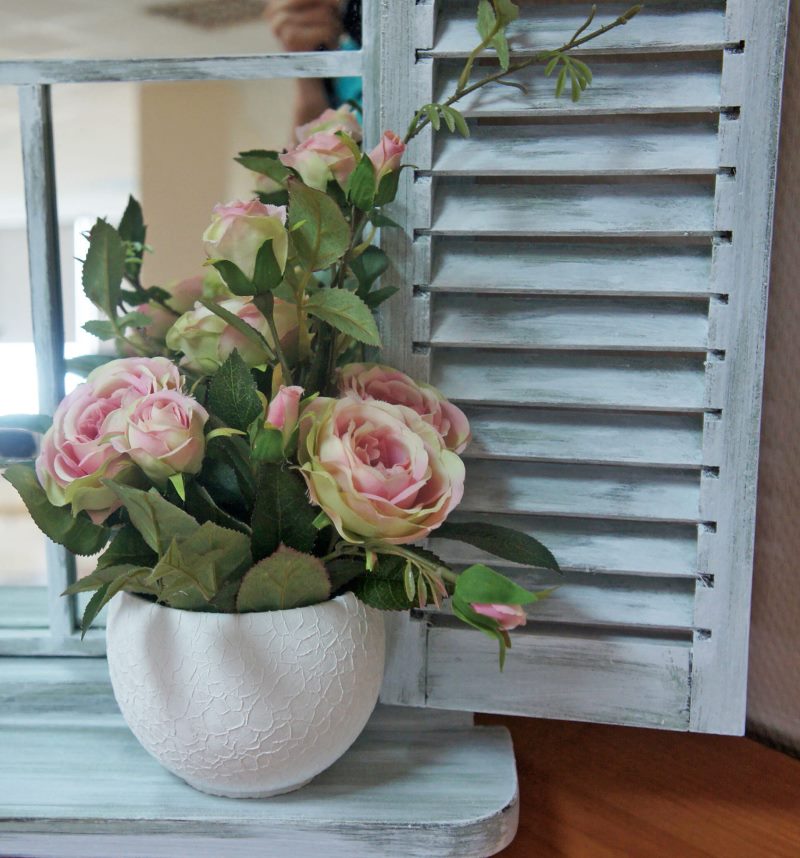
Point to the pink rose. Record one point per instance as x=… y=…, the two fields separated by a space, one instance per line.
x=332 y=121
x=379 y=471
x=77 y=454
x=238 y=230
x=183 y=295
x=207 y=341
x=162 y=433
x=387 y=154
x=373 y=381
x=129 y=378
x=284 y=410
x=508 y=616
x=321 y=158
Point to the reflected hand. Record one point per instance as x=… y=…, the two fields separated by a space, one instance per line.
x=305 y=25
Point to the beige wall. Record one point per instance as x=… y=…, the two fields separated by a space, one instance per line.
x=190 y=133
x=774 y=678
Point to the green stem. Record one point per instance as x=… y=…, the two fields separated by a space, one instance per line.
x=574 y=42
x=285 y=368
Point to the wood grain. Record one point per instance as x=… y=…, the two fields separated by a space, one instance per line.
x=593 y=791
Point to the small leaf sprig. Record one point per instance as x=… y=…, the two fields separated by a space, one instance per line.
x=494 y=16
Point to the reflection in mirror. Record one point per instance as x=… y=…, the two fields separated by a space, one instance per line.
x=94 y=29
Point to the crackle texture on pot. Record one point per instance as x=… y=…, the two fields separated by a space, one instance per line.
x=246 y=705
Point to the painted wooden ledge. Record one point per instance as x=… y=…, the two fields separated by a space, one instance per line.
x=410 y=786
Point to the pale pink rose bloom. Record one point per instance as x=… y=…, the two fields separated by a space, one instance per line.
x=126 y=379
x=162 y=433
x=378 y=470
x=207 y=341
x=321 y=158
x=375 y=381
x=183 y=295
x=284 y=410
x=332 y=121
x=238 y=229
x=508 y=616
x=77 y=454
x=387 y=155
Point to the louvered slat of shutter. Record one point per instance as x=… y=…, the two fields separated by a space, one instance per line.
x=577 y=291
x=661 y=26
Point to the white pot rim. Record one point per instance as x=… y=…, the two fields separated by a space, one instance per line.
x=342 y=598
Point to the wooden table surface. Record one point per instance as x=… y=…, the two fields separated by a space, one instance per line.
x=592 y=791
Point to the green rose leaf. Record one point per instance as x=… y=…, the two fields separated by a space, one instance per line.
x=285 y=579
x=268 y=445
x=93 y=608
x=273 y=198
x=346 y=312
x=268 y=273
x=343 y=570
x=131 y=227
x=104 y=267
x=368 y=267
x=500 y=44
x=481 y=585
x=265 y=162
x=486 y=19
x=361 y=185
x=156 y=519
x=384 y=587
x=128 y=578
x=133 y=580
x=501 y=541
x=387 y=189
x=506 y=11
x=226 y=457
x=127 y=548
x=38 y=423
x=77 y=533
x=376 y=298
x=282 y=512
x=202 y=506
x=84 y=364
x=233 y=394
x=183 y=582
x=102 y=330
x=195 y=570
x=235 y=279
x=135 y=319
x=228 y=551
x=320 y=233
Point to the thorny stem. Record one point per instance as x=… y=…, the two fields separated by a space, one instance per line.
x=574 y=42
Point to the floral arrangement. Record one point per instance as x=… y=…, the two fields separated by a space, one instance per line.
x=248 y=452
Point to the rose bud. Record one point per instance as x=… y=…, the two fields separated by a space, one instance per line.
x=508 y=616
x=238 y=230
x=331 y=121
x=321 y=158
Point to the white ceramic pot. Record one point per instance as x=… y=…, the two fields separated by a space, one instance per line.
x=246 y=705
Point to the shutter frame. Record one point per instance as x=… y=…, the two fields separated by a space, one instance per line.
x=698 y=680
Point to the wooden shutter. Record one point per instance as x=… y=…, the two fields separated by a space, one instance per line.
x=589 y=282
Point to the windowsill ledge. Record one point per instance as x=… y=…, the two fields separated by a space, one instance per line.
x=75 y=782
